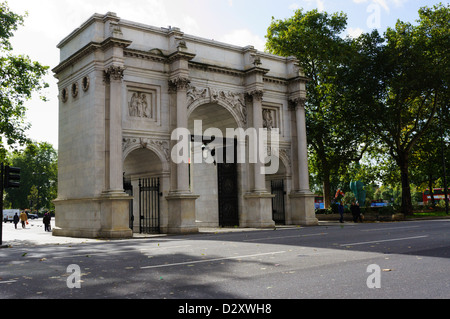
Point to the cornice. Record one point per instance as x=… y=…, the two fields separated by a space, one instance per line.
x=87 y=49
x=216 y=69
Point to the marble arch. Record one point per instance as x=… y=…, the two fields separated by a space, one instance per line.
x=125 y=86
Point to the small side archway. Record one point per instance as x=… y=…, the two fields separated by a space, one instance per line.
x=146 y=165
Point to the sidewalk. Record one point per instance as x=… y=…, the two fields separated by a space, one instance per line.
x=34 y=234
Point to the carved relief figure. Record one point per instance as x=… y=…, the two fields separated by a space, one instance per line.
x=139 y=107
x=267 y=119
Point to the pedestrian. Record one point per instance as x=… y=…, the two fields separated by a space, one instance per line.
x=46 y=220
x=16 y=220
x=356 y=212
x=23 y=219
x=341 y=212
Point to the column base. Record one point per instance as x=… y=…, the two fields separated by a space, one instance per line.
x=99 y=217
x=302 y=208
x=181 y=219
x=259 y=210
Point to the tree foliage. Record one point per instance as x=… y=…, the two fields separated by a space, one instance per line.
x=38 y=177
x=314 y=39
x=400 y=82
x=19 y=79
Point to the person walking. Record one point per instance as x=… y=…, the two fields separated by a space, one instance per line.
x=16 y=220
x=46 y=220
x=341 y=212
x=23 y=218
x=356 y=212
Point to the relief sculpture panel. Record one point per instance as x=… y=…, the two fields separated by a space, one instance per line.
x=140 y=105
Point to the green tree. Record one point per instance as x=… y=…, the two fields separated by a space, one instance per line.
x=19 y=79
x=400 y=81
x=38 y=163
x=427 y=157
x=334 y=138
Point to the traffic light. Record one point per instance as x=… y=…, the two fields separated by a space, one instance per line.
x=12 y=177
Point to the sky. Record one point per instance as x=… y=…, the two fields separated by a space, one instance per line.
x=238 y=22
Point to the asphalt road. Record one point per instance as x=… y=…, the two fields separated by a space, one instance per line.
x=329 y=261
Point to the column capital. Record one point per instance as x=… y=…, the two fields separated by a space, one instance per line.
x=179 y=83
x=113 y=72
x=298 y=102
x=255 y=95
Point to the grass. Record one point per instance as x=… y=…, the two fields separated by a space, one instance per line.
x=429 y=214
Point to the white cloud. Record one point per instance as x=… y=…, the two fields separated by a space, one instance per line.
x=354 y=32
x=243 y=37
x=294 y=6
x=319 y=4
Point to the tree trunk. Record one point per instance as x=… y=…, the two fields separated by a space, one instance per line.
x=406 y=207
x=326 y=188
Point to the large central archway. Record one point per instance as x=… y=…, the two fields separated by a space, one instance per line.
x=216 y=180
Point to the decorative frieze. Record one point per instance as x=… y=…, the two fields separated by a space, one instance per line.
x=236 y=101
x=145 y=142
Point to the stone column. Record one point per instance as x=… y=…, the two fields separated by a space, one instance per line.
x=181 y=201
x=302 y=147
x=114 y=172
x=114 y=202
x=178 y=86
x=259 y=200
x=259 y=183
x=302 y=199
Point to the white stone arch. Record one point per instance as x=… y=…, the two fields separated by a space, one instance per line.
x=284 y=156
x=232 y=102
x=162 y=151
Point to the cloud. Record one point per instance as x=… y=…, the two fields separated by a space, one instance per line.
x=243 y=37
x=354 y=32
x=294 y=6
x=319 y=4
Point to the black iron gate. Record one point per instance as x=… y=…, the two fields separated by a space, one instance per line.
x=129 y=190
x=149 y=209
x=228 y=189
x=278 y=211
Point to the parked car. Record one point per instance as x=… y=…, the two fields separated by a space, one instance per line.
x=32 y=216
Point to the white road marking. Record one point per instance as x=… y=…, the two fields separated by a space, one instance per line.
x=210 y=260
x=381 y=241
x=280 y=237
x=391 y=228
